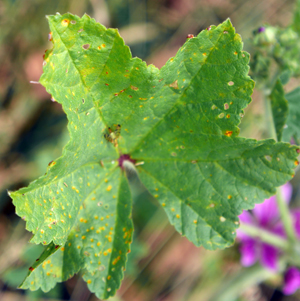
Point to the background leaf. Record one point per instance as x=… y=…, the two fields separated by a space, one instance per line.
x=292 y=130
x=279 y=108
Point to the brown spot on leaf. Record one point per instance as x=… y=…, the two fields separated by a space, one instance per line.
x=174 y=84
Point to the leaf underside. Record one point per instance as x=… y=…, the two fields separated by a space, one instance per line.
x=181 y=121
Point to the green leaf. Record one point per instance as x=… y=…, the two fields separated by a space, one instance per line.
x=296 y=21
x=285 y=76
x=181 y=122
x=292 y=129
x=279 y=108
x=278 y=45
x=99 y=239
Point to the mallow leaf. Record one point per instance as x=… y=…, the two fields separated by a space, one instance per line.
x=279 y=108
x=180 y=124
x=291 y=129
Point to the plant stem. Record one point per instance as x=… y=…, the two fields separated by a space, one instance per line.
x=237 y=284
x=285 y=216
x=265 y=236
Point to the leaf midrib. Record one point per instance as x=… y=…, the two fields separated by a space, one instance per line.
x=75 y=66
x=137 y=146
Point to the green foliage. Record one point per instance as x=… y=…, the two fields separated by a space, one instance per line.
x=279 y=108
x=296 y=21
x=275 y=46
x=292 y=129
x=181 y=122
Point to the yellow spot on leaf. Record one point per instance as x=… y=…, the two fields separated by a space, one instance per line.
x=65 y=22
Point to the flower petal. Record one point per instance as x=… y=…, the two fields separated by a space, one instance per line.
x=296 y=217
x=248 y=249
x=266 y=212
x=247 y=218
x=269 y=256
x=287 y=191
x=291 y=281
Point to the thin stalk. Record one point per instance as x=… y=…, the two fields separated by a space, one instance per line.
x=266 y=236
x=286 y=217
x=237 y=284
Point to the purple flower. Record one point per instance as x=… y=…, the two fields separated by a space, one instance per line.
x=267 y=217
x=261 y=29
x=291 y=281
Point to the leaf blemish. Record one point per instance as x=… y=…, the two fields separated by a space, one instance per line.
x=65 y=22
x=174 y=84
x=134 y=88
x=268 y=158
x=86 y=46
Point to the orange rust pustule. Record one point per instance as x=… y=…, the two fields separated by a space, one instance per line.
x=50 y=37
x=190 y=36
x=228 y=133
x=51 y=163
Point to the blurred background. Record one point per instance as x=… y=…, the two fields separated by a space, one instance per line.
x=162 y=265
